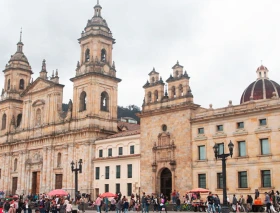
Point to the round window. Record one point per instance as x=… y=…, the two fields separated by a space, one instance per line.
x=164 y=127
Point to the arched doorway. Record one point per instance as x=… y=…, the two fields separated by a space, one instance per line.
x=166 y=182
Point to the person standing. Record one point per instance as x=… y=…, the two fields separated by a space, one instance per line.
x=178 y=204
x=143 y=202
x=98 y=204
x=267 y=202
x=106 y=203
x=47 y=205
x=113 y=204
x=217 y=203
x=119 y=206
x=148 y=202
x=234 y=203
x=210 y=200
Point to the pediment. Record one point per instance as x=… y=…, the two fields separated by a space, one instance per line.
x=38 y=85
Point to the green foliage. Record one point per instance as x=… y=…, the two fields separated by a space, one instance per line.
x=129 y=111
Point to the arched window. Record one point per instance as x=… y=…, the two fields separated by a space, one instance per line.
x=104 y=101
x=4 y=119
x=83 y=101
x=153 y=79
x=260 y=74
x=87 y=55
x=177 y=73
x=173 y=92
x=181 y=90
x=15 y=164
x=38 y=117
x=156 y=96
x=149 y=97
x=9 y=84
x=103 y=55
x=21 y=84
x=19 y=117
x=59 y=159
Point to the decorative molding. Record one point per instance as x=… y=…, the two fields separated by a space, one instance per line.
x=262 y=129
x=240 y=132
x=219 y=135
x=200 y=137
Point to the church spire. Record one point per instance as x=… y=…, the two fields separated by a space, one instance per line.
x=20 y=44
x=97 y=9
x=43 y=73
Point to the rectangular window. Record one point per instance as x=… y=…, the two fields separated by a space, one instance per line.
x=240 y=125
x=129 y=171
x=266 y=180
x=202 y=181
x=110 y=152
x=120 y=151
x=100 y=153
x=132 y=149
x=106 y=187
x=118 y=187
x=200 y=130
x=118 y=171
x=97 y=173
x=264 y=146
x=201 y=153
x=220 y=128
x=129 y=189
x=241 y=148
x=262 y=122
x=107 y=172
x=221 y=148
x=219 y=180
x=242 y=180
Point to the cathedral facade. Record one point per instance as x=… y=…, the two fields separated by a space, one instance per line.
x=171 y=150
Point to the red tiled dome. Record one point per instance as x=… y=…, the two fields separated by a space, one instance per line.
x=262 y=67
x=262 y=88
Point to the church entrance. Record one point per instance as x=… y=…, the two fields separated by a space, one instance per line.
x=35 y=182
x=166 y=182
x=14 y=185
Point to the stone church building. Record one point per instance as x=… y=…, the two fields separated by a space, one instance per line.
x=173 y=147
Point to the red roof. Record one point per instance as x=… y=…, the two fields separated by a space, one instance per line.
x=125 y=133
x=262 y=67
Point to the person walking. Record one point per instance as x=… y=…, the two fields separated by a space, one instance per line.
x=119 y=206
x=98 y=204
x=217 y=203
x=178 y=204
x=143 y=202
x=210 y=200
x=267 y=202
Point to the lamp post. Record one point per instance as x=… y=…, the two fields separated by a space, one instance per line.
x=224 y=156
x=76 y=170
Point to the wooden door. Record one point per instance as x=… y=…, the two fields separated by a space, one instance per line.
x=35 y=182
x=58 y=181
x=14 y=185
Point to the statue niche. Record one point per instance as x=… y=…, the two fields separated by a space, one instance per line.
x=164 y=139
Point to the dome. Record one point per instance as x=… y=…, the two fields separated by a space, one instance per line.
x=97 y=21
x=19 y=56
x=262 y=88
x=262 y=68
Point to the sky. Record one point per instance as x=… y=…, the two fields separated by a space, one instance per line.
x=220 y=43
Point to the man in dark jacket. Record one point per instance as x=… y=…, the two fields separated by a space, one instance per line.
x=178 y=204
x=47 y=205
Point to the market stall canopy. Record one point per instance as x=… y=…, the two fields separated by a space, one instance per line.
x=108 y=194
x=59 y=192
x=199 y=190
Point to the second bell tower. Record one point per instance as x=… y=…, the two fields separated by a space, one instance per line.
x=95 y=84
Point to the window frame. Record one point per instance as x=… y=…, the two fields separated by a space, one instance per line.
x=219 y=150
x=118 y=171
x=131 y=150
x=129 y=171
x=238 y=125
x=200 y=185
x=97 y=173
x=110 y=152
x=260 y=122
x=239 y=148
x=107 y=172
x=129 y=189
x=240 y=176
x=118 y=187
x=218 y=128
x=263 y=177
x=199 y=130
x=199 y=152
x=120 y=151
x=220 y=180
x=262 y=148
x=100 y=153
x=106 y=187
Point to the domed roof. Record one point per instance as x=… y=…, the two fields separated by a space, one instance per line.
x=97 y=21
x=262 y=88
x=262 y=68
x=19 y=55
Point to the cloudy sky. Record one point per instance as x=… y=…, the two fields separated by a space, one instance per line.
x=220 y=43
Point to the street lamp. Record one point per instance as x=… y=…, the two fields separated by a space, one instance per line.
x=224 y=156
x=76 y=170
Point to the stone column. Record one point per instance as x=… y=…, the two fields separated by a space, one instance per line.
x=49 y=170
x=44 y=171
x=173 y=179
x=65 y=166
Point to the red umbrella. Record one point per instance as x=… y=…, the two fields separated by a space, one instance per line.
x=200 y=190
x=108 y=194
x=59 y=192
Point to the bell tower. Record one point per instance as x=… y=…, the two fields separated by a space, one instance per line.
x=95 y=83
